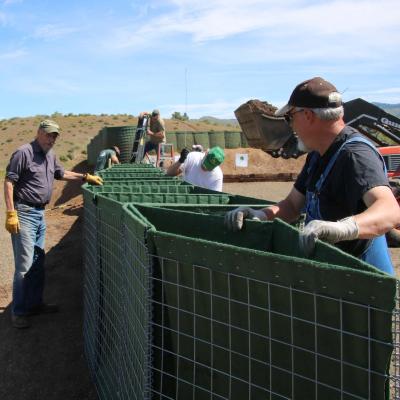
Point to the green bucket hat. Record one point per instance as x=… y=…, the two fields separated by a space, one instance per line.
x=213 y=158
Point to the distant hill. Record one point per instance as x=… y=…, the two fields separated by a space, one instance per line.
x=219 y=121
x=77 y=130
x=393 y=109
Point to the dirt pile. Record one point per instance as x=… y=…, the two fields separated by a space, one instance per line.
x=260 y=163
x=259 y=107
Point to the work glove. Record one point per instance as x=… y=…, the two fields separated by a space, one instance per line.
x=234 y=219
x=93 y=179
x=12 y=222
x=183 y=157
x=330 y=232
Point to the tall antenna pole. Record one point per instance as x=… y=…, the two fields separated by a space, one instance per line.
x=186 y=91
x=186 y=133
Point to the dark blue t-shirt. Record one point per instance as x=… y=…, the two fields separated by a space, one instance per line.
x=357 y=169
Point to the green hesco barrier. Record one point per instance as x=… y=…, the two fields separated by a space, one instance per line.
x=216 y=139
x=121 y=136
x=133 y=166
x=97 y=146
x=278 y=324
x=119 y=180
x=184 y=139
x=177 y=307
x=243 y=140
x=117 y=310
x=122 y=175
x=102 y=141
x=171 y=138
x=91 y=153
x=166 y=198
x=202 y=139
x=232 y=140
x=152 y=189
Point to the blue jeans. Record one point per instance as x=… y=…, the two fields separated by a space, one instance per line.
x=28 y=246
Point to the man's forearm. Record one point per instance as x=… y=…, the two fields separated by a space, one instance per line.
x=159 y=135
x=8 y=194
x=72 y=176
x=282 y=210
x=174 y=169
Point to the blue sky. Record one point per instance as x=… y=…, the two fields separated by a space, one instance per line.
x=205 y=57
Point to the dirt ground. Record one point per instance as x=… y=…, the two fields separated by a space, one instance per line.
x=47 y=361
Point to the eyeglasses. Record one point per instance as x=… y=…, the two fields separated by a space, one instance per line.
x=289 y=116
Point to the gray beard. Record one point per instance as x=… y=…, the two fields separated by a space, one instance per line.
x=301 y=146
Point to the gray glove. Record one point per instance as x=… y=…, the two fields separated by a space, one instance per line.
x=234 y=219
x=331 y=232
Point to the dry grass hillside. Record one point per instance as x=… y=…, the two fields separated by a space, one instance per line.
x=77 y=130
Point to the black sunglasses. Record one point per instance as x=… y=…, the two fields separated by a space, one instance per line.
x=289 y=116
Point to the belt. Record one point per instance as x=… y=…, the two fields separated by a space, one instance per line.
x=28 y=203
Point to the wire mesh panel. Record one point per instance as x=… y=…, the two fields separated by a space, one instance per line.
x=176 y=307
x=395 y=366
x=222 y=333
x=91 y=284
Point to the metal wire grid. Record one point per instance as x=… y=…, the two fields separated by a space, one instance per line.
x=117 y=322
x=116 y=308
x=209 y=345
x=395 y=367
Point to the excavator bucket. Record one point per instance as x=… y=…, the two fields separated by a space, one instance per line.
x=265 y=131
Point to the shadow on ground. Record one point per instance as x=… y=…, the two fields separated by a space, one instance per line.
x=46 y=361
x=71 y=189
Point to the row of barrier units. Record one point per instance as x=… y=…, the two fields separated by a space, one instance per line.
x=177 y=307
x=123 y=137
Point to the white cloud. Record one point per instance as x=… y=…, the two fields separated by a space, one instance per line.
x=13 y=55
x=46 y=86
x=289 y=20
x=52 y=32
x=383 y=95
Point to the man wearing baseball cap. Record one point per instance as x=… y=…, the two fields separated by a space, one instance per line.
x=343 y=187
x=155 y=130
x=200 y=169
x=27 y=189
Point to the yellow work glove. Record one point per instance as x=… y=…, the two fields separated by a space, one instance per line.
x=12 y=223
x=93 y=179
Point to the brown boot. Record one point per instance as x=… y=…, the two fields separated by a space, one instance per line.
x=20 y=321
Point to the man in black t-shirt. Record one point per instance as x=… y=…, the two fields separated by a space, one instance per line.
x=342 y=187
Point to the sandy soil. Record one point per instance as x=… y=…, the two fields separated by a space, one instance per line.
x=46 y=361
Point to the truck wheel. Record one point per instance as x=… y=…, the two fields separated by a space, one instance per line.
x=393 y=238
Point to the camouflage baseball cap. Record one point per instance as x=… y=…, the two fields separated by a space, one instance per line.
x=214 y=157
x=155 y=112
x=49 y=126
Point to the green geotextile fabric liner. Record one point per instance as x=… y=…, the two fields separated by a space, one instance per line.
x=152 y=189
x=145 y=177
x=349 y=294
x=123 y=175
x=127 y=171
x=125 y=185
x=228 y=310
x=132 y=166
x=164 y=198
